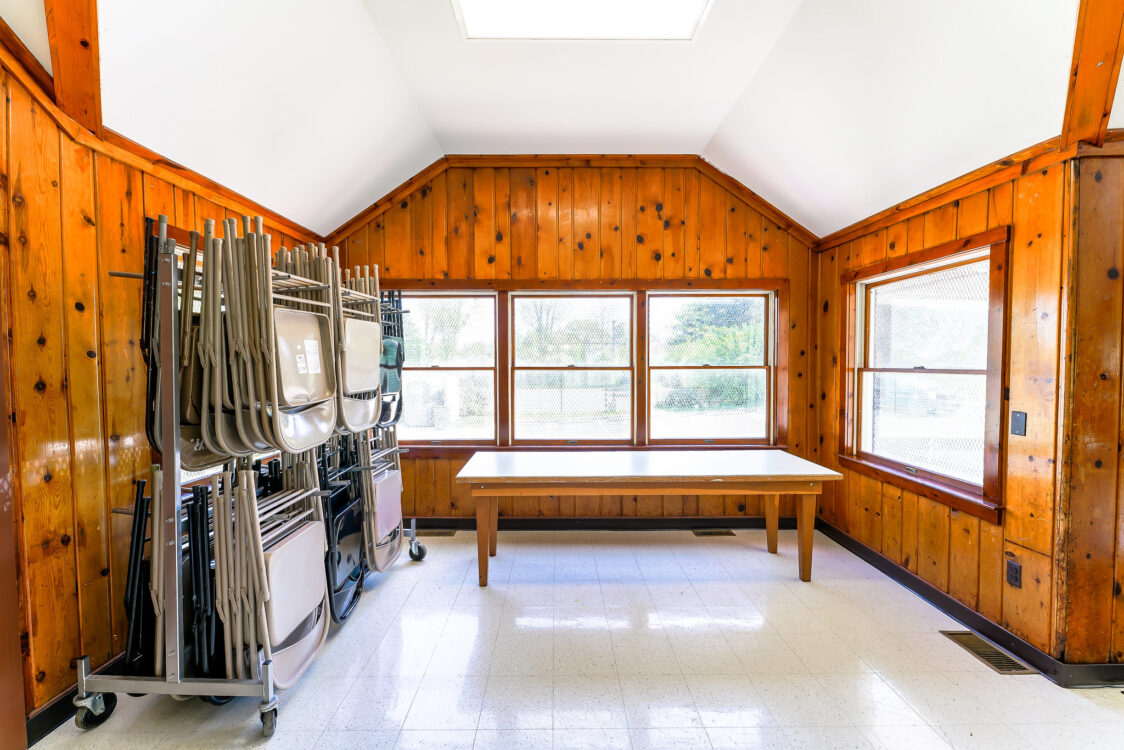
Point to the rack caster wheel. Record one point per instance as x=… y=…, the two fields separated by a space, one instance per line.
x=94 y=709
x=216 y=700
x=417 y=550
x=269 y=722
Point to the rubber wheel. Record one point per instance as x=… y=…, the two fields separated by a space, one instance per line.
x=87 y=719
x=216 y=700
x=417 y=552
x=269 y=723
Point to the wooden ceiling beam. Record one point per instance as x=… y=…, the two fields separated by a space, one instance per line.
x=1097 y=50
x=72 y=28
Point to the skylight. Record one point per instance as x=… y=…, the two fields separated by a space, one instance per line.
x=580 y=19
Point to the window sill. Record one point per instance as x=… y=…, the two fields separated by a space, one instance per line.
x=453 y=450
x=953 y=497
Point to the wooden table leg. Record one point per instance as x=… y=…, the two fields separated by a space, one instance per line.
x=805 y=526
x=772 y=520
x=483 y=535
x=494 y=526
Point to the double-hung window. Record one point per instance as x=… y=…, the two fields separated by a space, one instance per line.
x=449 y=371
x=709 y=373
x=927 y=362
x=572 y=367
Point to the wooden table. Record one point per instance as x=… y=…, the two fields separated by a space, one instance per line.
x=771 y=473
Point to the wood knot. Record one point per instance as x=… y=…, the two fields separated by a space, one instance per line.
x=639 y=239
x=499 y=236
x=79 y=306
x=65 y=539
x=42 y=341
x=40 y=385
x=403 y=204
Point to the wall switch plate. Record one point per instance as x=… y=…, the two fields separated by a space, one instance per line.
x=1018 y=423
x=1014 y=574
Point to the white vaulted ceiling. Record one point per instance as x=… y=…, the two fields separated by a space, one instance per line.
x=830 y=109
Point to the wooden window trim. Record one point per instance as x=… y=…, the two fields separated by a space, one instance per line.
x=985 y=502
x=503 y=289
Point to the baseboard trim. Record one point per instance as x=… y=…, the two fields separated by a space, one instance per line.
x=616 y=523
x=1066 y=675
x=50 y=717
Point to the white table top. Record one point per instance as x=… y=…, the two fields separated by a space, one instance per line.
x=491 y=467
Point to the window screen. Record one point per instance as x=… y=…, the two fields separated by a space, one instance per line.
x=449 y=374
x=922 y=391
x=572 y=367
x=708 y=366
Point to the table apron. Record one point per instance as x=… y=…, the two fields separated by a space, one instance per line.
x=544 y=489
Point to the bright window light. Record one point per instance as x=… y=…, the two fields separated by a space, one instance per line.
x=580 y=19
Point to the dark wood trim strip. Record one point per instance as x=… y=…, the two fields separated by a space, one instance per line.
x=451 y=450
x=623 y=285
x=606 y=523
x=336 y=236
x=756 y=202
x=272 y=218
x=640 y=378
x=1065 y=675
x=1038 y=156
x=30 y=62
x=1097 y=49
x=953 y=497
x=121 y=149
x=504 y=373
x=936 y=252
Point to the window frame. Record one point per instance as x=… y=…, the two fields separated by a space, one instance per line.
x=631 y=368
x=505 y=288
x=495 y=368
x=768 y=365
x=985 y=500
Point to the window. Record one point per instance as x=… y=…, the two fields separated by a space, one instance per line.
x=450 y=368
x=927 y=359
x=572 y=367
x=580 y=19
x=709 y=377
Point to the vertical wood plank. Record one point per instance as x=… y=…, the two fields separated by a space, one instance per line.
x=932 y=542
x=83 y=390
x=612 y=186
x=586 y=246
x=546 y=222
x=483 y=201
x=674 y=224
x=712 y=229
x=649 y=223
x=964 y=558
x=462 y=225
x=524 y=239
x=40 y=430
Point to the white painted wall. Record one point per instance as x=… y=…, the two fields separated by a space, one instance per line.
x=296 y=105
x=28 y=19
x=865 y=103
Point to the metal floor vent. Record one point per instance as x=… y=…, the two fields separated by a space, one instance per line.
x=712 y=532
x=987 y=653
x=436 y=532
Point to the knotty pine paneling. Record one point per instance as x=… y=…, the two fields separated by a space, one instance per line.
x=71 y=214
x=956 y=552
x=591 y=223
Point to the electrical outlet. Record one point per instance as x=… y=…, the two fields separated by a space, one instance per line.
x=1018 y=423
x=1014 y=574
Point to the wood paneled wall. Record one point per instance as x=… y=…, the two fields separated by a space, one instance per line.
x=555 y=221
x=71 y=212
x=954 y=551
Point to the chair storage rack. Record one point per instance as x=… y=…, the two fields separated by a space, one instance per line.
x=95 y=691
